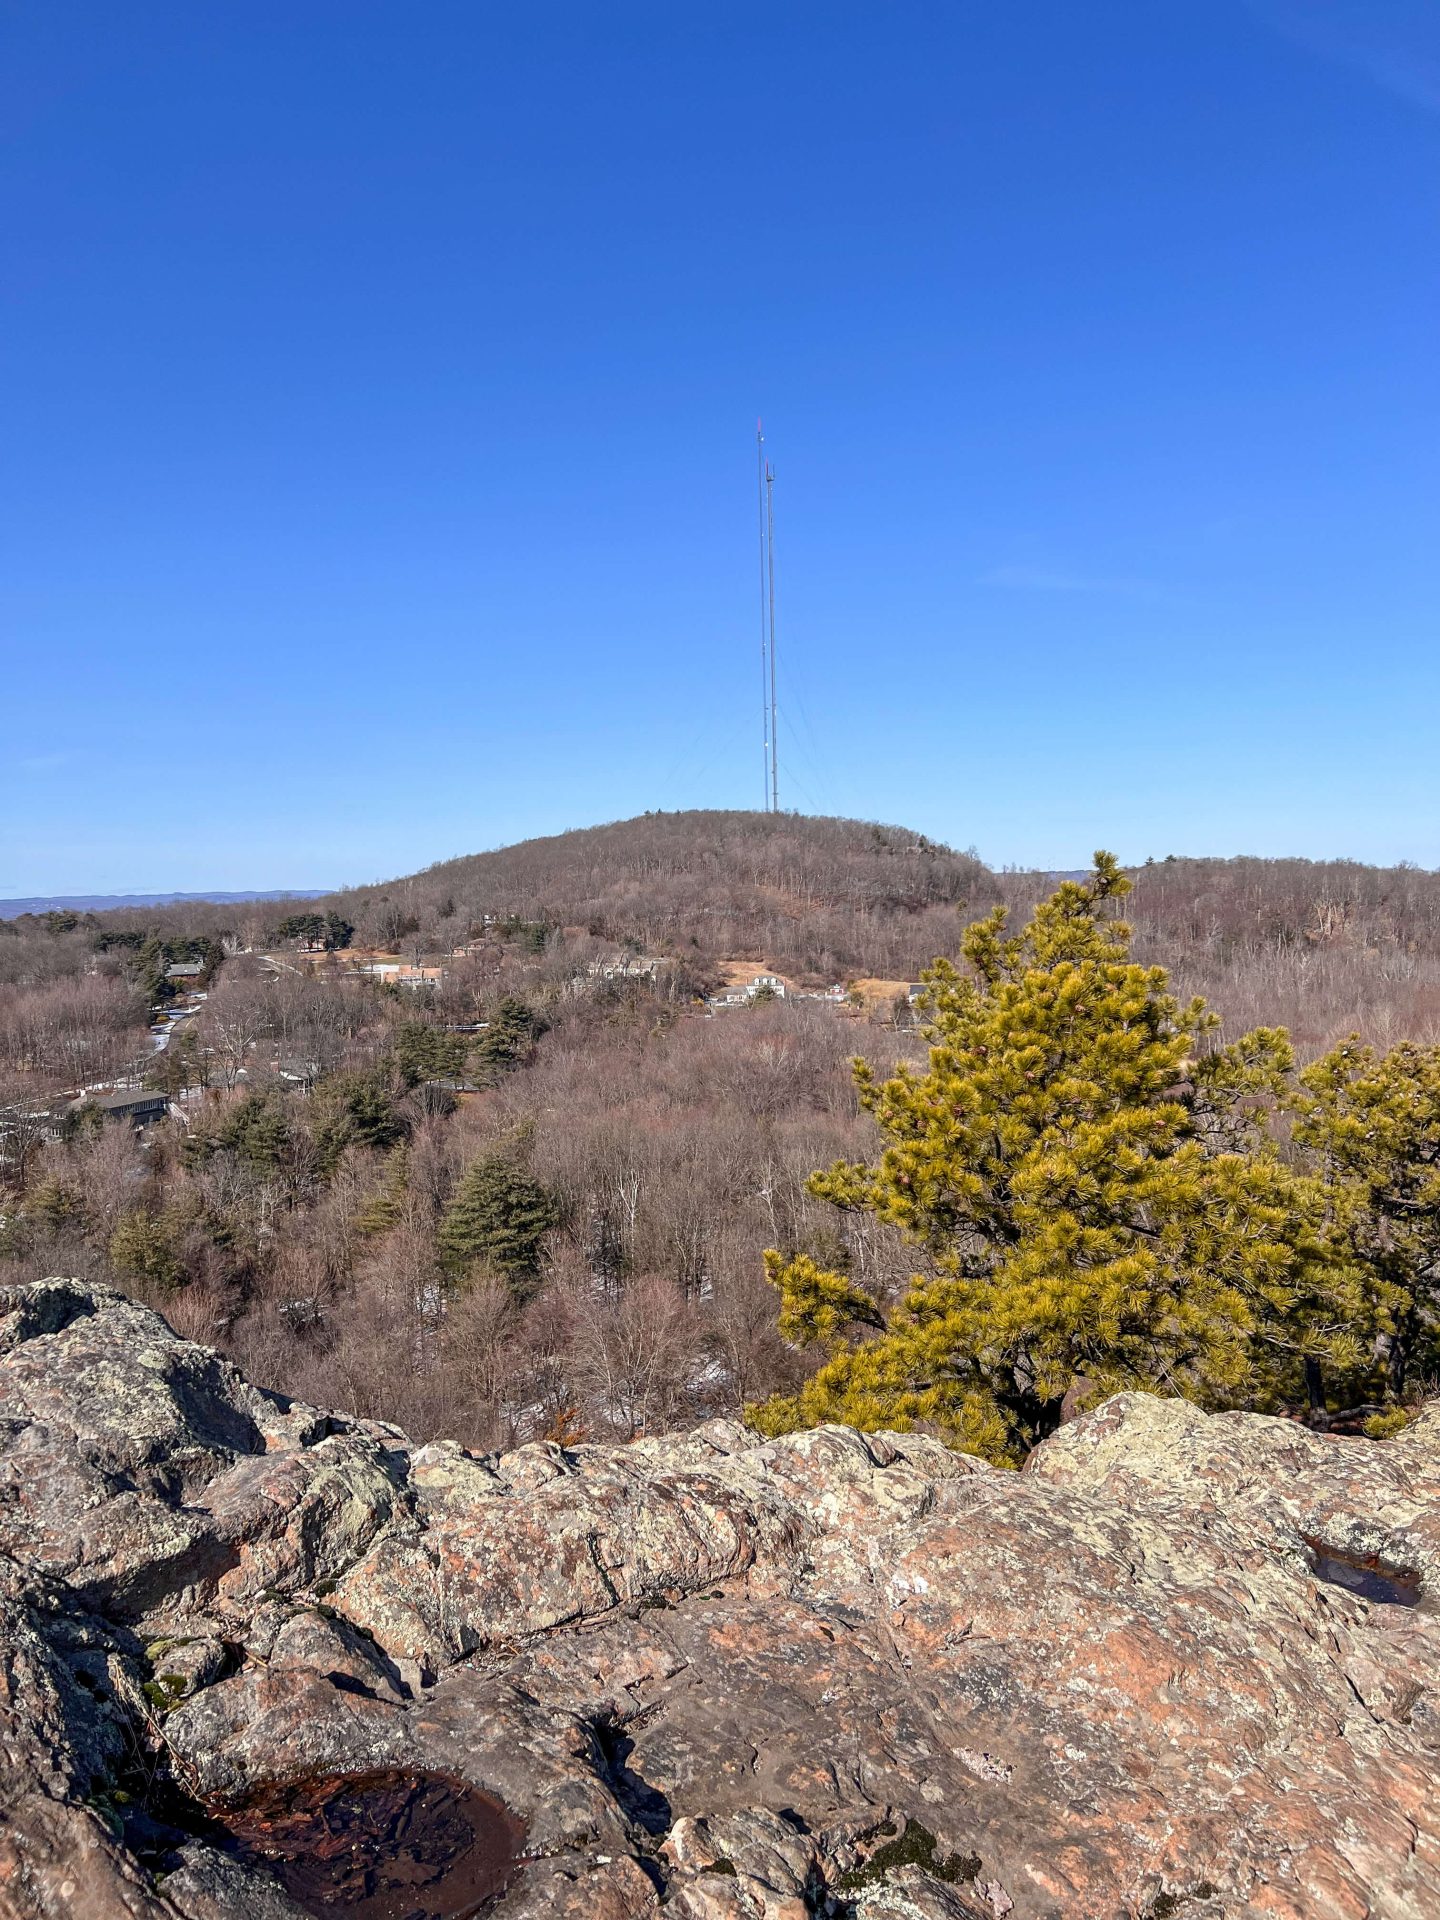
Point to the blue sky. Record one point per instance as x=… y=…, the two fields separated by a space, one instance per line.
x=381 y=379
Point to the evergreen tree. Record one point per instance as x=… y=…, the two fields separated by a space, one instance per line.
x=300 y=926
x=1373 y=1121
x=498 y=1220
x=57 y=1203
x=148 y=1247
x=149 y=973
x=356 y=1110
x=423 y=1052
x=384 y=1208
x=1096 y=1201
x=256 y=1128
x=511 y=1034
x=178 y=1067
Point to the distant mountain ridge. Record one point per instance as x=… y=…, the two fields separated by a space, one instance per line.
x=104 y=902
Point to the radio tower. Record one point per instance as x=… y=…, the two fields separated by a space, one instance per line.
x=766 y=484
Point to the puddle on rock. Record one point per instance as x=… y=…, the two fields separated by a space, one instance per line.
x=1365 y=1574
x=388 y=1845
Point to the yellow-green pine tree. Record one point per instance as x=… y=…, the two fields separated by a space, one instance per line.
x=1373 y=1122
x=1096 y=1201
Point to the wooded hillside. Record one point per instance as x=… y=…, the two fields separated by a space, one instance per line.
x=824 y=896
x=550 y=1188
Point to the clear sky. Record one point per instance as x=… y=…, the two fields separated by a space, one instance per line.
x=381 y=382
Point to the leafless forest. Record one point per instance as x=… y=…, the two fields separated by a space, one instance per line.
x=825 y=898
x=531 y=1199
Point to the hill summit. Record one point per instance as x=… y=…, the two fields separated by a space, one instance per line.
x=817 y=894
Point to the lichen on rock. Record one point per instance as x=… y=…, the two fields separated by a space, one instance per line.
x=714 y=1675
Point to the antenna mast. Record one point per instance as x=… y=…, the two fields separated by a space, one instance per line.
x=769 y=711
x=764 y=616
x=770 y=566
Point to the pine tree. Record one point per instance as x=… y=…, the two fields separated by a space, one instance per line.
x=1096 y=1202
x=424 y=1052
x=510 y=1035
x=1373 y=1121
x=497 y=1220
x=148 y=1247
x=257 y=1128
x=57 y=1203
x=384 y=1208
x=356 y=1109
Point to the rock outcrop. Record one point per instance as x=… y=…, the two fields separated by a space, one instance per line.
x=1180 y=1665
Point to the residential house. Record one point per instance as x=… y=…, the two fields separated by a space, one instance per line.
x=138 y=1106
x=767 y=983
x=420 y=976
x=741 y=993
x=624 y=966
x=396 y=973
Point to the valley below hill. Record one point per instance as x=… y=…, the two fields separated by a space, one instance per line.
x=531 y=1118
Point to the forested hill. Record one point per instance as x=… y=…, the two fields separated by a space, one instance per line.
x=1321 y=947
x=821 y=896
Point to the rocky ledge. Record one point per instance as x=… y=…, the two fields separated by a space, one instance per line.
x=1180 y=1665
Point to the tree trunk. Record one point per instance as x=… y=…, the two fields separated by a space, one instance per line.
x=1402 y=1343
x=1315 y=1392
